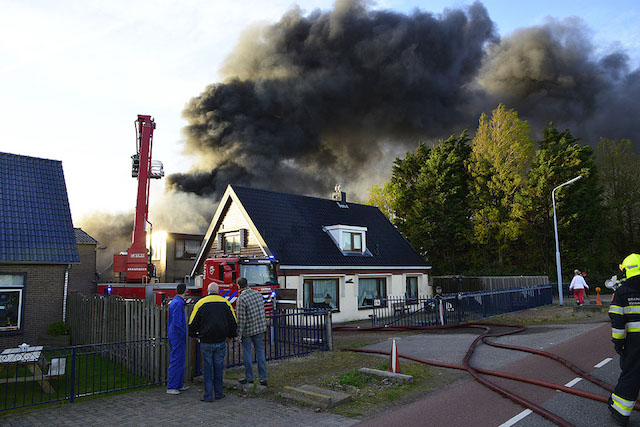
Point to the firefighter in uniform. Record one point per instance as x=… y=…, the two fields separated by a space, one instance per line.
x=625 y=323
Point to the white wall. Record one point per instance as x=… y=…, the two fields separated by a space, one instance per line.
x=348 y=292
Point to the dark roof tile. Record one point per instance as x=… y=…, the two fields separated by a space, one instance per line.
x=35 y=219
x=291 y=226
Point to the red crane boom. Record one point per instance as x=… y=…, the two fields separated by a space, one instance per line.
x=134 y=265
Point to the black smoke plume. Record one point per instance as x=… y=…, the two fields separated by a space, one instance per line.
x=334 y=96
x=314 y=100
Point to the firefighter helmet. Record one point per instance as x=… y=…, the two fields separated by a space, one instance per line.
x=632 y=265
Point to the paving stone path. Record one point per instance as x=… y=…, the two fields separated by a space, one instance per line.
x=155 y=407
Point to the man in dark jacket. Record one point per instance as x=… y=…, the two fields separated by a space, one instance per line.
x=177 y=332
x=625 y=323
x=213 y=322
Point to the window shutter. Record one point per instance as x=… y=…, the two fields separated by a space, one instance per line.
x=220 y=241
x=243 y=237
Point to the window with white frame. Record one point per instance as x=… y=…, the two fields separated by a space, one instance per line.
x=371 y=289
x=321 y=293
x=11 y=302
x=232 y=243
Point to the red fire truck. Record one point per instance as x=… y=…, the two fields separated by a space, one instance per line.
x=261 y=273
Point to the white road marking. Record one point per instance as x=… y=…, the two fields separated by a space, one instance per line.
x=517 y=418
x=573 y=382
x=604 y=362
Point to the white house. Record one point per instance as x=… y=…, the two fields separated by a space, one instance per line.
x=336 y=253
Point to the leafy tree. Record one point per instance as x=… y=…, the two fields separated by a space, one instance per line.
x=558 y=159
x=440 y=218
x=501 y=154
x=383 y=195
x=619 y=167
x=427 y=199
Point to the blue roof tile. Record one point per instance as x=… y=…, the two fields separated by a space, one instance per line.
x=35 y=220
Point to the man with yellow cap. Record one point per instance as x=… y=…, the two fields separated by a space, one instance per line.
x=625 y=324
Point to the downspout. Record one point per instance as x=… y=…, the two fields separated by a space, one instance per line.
x=64 y=296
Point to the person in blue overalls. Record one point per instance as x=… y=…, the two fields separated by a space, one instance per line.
x=177 y=332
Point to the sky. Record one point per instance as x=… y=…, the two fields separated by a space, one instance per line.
x=74 y=75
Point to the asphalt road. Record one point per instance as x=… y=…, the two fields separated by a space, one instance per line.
x=468 y=403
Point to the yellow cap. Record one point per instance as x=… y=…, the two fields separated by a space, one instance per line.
x=632 y=265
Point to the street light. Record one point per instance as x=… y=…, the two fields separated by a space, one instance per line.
x=555 y=228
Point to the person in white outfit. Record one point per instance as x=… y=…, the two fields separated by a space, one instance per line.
x=578 y=284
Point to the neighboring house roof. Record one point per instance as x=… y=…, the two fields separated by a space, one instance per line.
x=82 y=238
x=291 y=226
x=35 y=220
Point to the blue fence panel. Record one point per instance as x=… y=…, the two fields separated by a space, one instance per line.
x=292 y=332
x=40 y=375
x=454 y=309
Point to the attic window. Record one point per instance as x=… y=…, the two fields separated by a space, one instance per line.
x=350 y=239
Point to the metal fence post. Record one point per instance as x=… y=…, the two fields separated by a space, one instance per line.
x=73 y=374
x=329 y=325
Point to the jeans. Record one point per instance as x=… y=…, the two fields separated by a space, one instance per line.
x=212 y=365
x=247 y=360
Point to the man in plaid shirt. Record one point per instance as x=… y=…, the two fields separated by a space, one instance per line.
x=252 y=324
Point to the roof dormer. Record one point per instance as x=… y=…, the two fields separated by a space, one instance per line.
x=350 y=239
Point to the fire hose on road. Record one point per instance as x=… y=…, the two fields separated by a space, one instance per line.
x=475 y=372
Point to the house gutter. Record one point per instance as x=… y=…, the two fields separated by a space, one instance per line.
x=64 y=296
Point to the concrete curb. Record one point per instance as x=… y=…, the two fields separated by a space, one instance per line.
x=391 y=376
x=315 y=396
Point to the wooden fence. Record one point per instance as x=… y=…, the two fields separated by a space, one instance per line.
x=137 y=330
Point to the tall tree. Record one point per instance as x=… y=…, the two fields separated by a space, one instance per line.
x=427 y=197
x=558 y=159
x=383 y=196
x=501 y=154
x=440 y=217
x=619 y=166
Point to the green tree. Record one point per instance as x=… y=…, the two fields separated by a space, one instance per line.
x=383 y=196
x=558 y=159
x=501 y=154
x=619 y=166
x=440 y=218
x=427 y=199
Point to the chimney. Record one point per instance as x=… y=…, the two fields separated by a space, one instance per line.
x=339 y=195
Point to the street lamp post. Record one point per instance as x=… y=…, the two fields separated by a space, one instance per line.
x=555 y=228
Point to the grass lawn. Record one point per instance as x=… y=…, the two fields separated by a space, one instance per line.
x=93 y=374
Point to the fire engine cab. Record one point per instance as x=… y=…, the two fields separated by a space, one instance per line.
x=261 y=273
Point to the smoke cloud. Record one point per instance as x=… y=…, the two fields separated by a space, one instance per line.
x=334 y=96
x=327 y=97
x=314 y=100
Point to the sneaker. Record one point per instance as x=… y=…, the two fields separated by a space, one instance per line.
x=184 y=388
x=244 y=381
x=221 y=397
x=202 y=399
x=173 y=391
x=263 y=382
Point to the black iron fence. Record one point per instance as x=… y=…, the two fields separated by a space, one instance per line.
x=457 y=308
x=291 y=332
x=35 y=375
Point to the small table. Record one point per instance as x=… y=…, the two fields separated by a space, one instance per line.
x=29 y=357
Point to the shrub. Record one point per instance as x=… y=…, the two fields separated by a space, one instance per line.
x=58 y=328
